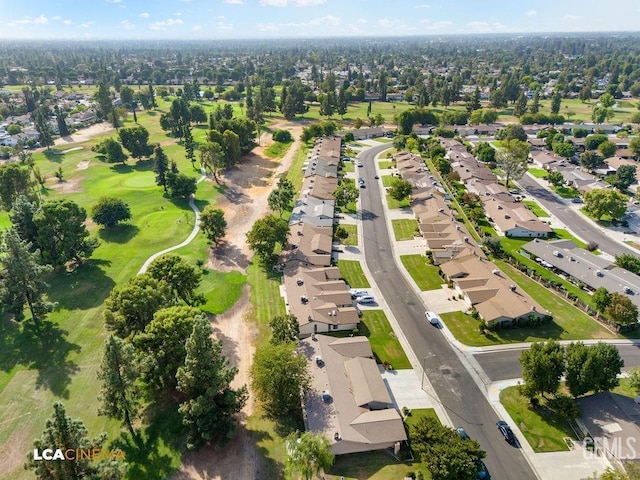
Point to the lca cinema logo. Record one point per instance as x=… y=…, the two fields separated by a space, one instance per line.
x=76 y=454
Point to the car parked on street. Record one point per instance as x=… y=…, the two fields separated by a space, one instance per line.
x=506 y=431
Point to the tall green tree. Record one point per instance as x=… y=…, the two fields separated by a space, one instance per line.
x=622 y=310
x=66 y=433
x=189 y=144
x=184 y=279
x=44 y=129
x=231 y=147
x=21 y=216
x=444 y=452
x=111 y=149
x=62 y=233
x=512 y=159
x=601 y=299
x=119 y=392
x=131 y=306
x=180 y=185
x=103 y=99
x=279 y=377
x=400 y=189
x=591 y=160
x=284 y=328
x=109 y=211
x=161 y=347
x=160 y=166
x=576 y=375
x=136 y=140
x=212 y=157
x=206 y=379
x=308 y=455
x=212 y=223
x=266 y=233
x=14 y=181
x=542 y=367
x=281 y=197
x=601 y=201
x=346 y=192
x=63 y=129
x=22 y=278
x=556 y=100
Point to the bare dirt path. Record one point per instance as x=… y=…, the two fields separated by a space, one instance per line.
x=244 y=201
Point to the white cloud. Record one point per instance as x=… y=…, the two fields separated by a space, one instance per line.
x=184 y=1
x=532 y=13
x=86 y=24
x=224 y=26
x=196 y=27
x=268 y=27
x=170 y=22
x=113 y=1
x=327 y=20
x=41 y=20
x=67 y=22
x=361 y=21
x=126 y=25
x=56 y=18
x=234 y=2
x=422 y=5
x=144 y=15
x=293 y=3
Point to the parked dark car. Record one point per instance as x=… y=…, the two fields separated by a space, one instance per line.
x=506 y=431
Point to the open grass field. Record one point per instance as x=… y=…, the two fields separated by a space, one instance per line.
x=543 y=428
x=426 y=276
x=404 y=229
x=62 y=364
x=352 y=273
x=277 y=149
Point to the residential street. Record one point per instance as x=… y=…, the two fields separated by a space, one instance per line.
x=465 y=404
x=572 y=219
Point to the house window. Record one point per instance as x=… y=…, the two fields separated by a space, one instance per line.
x=335 y=327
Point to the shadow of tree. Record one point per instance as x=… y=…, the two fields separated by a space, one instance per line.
x=85 y=287
x=143 y=165
x=54 y=155
x=44 y=348
x=118 y=234
x=156 y=454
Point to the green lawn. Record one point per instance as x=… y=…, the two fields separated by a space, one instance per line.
x=567 y=192
x=566 y=235
x=404 y=229
x=426 y=276
x=277 y=149
x=543 y=428
x=392 y=203
x=383 y=140
x=536 y=209
x=370 y=465
x=416 y=414
x=387 y=180
x=384 y=164
x=352 y=273
x=538 y=172
x=625 y=388
x=352 y=239
x=384 y=343
x=347 y=167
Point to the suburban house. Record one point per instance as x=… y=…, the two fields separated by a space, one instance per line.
x=490 y=291
x=514 y=219
x=319 y=299
x=585 y=268
x=368 y=132
x=311 y=245
x=348 y=401
x=312 y=210
x=546 y=159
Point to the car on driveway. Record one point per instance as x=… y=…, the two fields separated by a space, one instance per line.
x=360 y=164
x=358 y=293
x=366 y=300
x=506 y=431
x=577 y=200
x=433 y=317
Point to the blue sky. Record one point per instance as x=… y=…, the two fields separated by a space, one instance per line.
x=226 y=19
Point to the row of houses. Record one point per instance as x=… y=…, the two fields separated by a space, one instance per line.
x=496 y=298
x=510 y=217
x=348 y=401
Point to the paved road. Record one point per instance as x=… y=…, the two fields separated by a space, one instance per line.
x=461 y=397
x=572 y=219
x=504 y=365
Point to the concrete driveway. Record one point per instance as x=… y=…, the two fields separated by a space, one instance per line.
x=405 y=389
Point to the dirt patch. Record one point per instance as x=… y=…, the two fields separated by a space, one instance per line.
x=86 y=134
x=67 y=186
x=244 y=201
x=83 y=165
x=13 y=452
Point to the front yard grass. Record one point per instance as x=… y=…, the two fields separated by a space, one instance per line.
x=370 y=465
x=538 y=172
x=352 y=230
x=385 y=164
x=426 y=276
x=347 y=167
x=567 y=192
x=544 y=429
x=384 y=343
x=393 y=203
x=563 y=234
x=404 y=229
x=352 y=273
x=536 y=209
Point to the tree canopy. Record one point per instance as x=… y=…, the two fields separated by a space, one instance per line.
x=109 y=211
